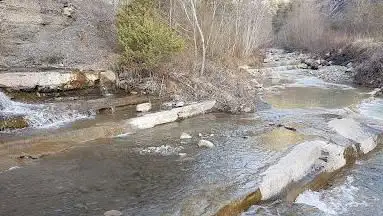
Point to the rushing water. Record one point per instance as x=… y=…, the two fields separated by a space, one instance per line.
x=39 y=115
x=154 y=172
x=357 y=191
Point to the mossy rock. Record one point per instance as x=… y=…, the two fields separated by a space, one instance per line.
x=11 y=123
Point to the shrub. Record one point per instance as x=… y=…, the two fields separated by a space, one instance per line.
x=144 y=38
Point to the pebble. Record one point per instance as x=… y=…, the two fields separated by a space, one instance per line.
x=247 y=109
x=185 y=136
x=182 y=155
x=180 y=104
x=113 y=213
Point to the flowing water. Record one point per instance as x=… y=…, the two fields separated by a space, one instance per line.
x=357 y=191
x=38 y=115
x=154 y=172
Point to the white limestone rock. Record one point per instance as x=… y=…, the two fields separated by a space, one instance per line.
x=205 y=144
x=352 y=129
x=185 y=136
x=179 y=104
x=144 y=107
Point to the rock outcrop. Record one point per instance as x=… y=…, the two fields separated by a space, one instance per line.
x=57 y=33
x=47 y=81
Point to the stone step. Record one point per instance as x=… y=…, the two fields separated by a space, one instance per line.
x=311 y=163
x=33 y=146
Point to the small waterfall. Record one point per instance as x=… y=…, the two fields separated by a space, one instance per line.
x=5 y=102
x=39 y=115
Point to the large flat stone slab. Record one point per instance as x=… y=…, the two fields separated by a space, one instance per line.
x=101 y=103
x=54 y=80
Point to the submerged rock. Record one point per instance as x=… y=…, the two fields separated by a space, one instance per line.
x=16 y=122
x=185 y=136
x=206 y=144
x=145 y=107
x=113 y=213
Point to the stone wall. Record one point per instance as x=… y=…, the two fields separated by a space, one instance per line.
x=57 y=33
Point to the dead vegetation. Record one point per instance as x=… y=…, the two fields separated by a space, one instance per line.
x=370 y=66
x=349 y=31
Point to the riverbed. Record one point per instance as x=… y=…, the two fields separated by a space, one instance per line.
x=154 y=172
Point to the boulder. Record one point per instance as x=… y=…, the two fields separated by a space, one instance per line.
x=206 y=144
x=144 y=107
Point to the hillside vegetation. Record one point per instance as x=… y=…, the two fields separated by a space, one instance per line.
x=216 y=37
x=193 y=48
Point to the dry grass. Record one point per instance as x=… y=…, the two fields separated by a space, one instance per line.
x=307 y=29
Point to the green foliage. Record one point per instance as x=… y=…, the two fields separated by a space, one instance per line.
x=146 y=40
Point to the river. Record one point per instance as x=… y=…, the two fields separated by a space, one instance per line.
x=154 y=172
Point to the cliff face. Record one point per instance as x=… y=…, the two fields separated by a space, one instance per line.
x=57 y=33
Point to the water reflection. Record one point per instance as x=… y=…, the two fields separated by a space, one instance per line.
x=297 y=97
